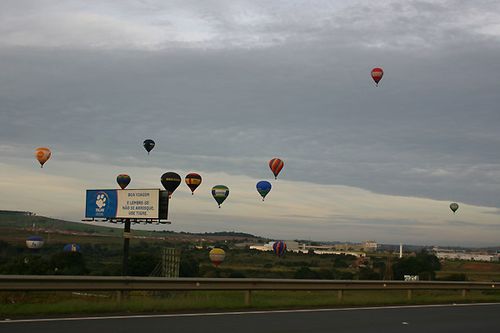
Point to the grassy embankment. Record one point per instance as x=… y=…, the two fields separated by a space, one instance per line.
x=17 y=305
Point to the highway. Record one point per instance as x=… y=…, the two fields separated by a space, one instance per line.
x=435 y=318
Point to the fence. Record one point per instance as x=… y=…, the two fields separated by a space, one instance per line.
x=124 y=284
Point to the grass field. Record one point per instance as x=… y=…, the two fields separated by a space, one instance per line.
x=32 y=304
x=474 y=271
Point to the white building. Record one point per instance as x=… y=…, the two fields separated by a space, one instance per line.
x=473 y=256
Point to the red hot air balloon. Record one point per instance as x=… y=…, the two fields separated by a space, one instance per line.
x=276 y=165
x=193 y=180
x=377 y=74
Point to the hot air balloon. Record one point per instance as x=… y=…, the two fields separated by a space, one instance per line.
x=170 y=181
x=377 y=74
x=276 y=165
x=71 y=248
x=193 y=180
x=263 y=187
x=123 y=180
x=279 y=248
x=42 y=154
x=220 y=193
x=148 y=145
x=34 y=242
x=217 y=256
x=454 y=207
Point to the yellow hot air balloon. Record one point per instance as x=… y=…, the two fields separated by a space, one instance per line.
x=217 y=256
x=42 y=154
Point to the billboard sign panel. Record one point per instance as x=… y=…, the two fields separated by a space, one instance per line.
x=133 y=204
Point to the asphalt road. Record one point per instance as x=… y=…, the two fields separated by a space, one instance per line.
x=449 y=318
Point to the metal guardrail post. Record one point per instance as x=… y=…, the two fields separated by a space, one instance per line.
x=340 y=295
x=248 y=297
x=464 y=293
x=408 y=295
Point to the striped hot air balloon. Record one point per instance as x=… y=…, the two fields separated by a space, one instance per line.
x=279 y=248
x=276 y=165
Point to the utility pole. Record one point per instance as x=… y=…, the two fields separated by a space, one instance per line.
x=126 y=246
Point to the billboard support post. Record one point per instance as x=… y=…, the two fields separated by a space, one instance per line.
x=126 y=246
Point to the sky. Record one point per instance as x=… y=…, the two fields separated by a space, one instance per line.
x=224 y=86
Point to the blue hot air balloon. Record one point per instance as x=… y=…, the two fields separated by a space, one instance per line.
x=71 y=248
x=34 y=242
x=263 y=187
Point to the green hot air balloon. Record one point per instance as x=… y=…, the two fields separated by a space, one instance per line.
x=454 y=207
x=170 y=181
x=220 y=193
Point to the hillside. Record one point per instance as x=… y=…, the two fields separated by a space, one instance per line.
x=16 y=226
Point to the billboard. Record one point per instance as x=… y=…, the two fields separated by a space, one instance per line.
x=131 y=204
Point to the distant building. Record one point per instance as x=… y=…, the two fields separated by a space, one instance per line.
x=293 y=246
x=462 y=255
x=370 y=246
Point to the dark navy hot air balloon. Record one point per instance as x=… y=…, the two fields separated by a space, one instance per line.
x=263 y=187
x=123 y=180
x=279 y=248
x=170 y=181
x=148 y=145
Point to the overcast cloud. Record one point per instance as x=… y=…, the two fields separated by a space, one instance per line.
x=223 y=87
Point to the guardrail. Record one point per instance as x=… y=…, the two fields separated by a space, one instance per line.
x=121 y=284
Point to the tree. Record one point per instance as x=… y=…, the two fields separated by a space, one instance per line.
x=305 y=273
x=142 y=264
x=68 y=263
x=423 y=264
x=189 y=267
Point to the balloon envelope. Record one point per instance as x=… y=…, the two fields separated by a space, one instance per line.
x=276 y=165
x=193 y=180
x=34 y=242
x=71 y=248
x=170 y=181
x=220 y=193
x=148 y=145
x=123 y=180
x=217 y=256
x=377 y=74
x=263 y=187
x=279 y=248
x=42 y=154
x=454 y=207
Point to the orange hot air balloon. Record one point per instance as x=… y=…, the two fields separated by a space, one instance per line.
x=42 y=154
x=276 y=165
x=377 y=74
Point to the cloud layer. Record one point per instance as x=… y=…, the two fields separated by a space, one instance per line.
x=223 y=88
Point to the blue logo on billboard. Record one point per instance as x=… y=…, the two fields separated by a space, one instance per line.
x=101 y=203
